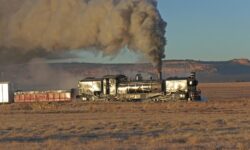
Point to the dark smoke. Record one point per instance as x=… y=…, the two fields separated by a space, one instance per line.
x=37 y=74
x=42 y=76
x=41 y=28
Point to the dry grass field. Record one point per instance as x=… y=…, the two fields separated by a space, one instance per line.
x=223 y=122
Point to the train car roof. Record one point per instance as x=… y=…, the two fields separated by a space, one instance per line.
x=177 y=78
x=115 y=76
x=141 y=82
x=91 y=79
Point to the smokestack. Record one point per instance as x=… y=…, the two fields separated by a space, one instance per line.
x=159 y=69
x=160 y=75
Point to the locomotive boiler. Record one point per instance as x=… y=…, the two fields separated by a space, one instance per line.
x=118 y=87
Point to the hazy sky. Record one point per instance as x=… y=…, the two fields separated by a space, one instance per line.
x=201 y=30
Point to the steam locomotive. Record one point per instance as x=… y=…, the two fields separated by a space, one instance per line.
x=118 y=87
x=113 y=87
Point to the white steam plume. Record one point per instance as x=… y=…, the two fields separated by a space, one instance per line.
x=41 y=28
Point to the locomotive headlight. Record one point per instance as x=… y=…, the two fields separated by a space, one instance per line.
x=193 y=83
x=182 y=95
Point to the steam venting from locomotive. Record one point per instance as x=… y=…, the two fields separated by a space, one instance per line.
x=45 y=28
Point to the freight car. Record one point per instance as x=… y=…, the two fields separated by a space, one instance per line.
x=118 y=87
x=42 y=96
x=5 y=93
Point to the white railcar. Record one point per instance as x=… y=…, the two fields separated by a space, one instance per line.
x=5 y=94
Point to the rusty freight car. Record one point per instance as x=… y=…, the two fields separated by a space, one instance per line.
x=42 y=96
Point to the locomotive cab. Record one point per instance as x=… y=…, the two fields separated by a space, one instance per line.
x=110 y=84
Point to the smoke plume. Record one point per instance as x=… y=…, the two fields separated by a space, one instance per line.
x=40 y=75
x=45 y=28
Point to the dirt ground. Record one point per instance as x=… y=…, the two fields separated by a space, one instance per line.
x=222 y=122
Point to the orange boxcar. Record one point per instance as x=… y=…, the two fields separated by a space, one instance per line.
x=42 y=96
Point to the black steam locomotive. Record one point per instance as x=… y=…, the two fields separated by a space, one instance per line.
x=118 y=87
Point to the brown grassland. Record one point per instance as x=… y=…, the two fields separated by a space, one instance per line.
x=223 y=122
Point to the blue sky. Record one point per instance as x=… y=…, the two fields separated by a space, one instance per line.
x=207 y=29
x=199 y=29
